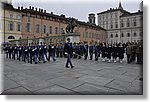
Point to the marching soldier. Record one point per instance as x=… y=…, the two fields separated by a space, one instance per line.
x=96 y=51
x=85 y=50
x=41 y=52
x=45 y=51
x=91 y=50
x=51 y=51
x=69 y=50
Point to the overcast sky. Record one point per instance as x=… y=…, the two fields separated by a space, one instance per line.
x=78 y=9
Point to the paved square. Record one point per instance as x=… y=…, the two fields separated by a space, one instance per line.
x=88 y=77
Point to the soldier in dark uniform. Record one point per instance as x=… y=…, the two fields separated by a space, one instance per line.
x=74 y=50
x=15 y=52
x=115 y=52
x=69 y=50
x=85 y=50
x=96 y=51
x=91 y=50
x=20 y=52
x=33 y=53
x=51 y=52
x=6 y=50
x=121 y=51
x=10 y=51
x=45 y=51
x=133 y=51
x=25 y=53
x=41 y=52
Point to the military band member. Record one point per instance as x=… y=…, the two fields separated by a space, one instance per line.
x=85 y=50
x=41 y=52
x=91 y=50
x=115 y=52
x=121 y=51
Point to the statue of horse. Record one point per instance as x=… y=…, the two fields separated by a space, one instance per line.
x=71 y=25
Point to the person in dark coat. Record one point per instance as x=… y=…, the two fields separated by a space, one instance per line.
x=69 y=51
x=109 y=52
x=139 y=52
x=121 y=51
x=129 y=53
x=103 y=51
x=115 y=52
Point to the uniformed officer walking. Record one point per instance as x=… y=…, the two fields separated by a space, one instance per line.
x=69 y=50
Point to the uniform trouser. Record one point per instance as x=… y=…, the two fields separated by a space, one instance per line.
x=139 y=57
x=96 y=56
x=6 y=54
x=10 y=55
x=57 y=53
x=91 y=55
x=20 y=54
x=109 y=55
x=61 y=53
x=133 y=57
x=53 y=56
x=46 y=55
x=128 y=58
x=14 y=55
x=25 y=57
x=86 y=55
x=42 y=56
x=69 y=60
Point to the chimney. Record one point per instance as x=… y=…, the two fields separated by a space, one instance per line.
x=44 y=11
x=51 y=12
x=41 y=10
x=21 y=7
x=18 y=7
x=35 y=9
x=30 y=7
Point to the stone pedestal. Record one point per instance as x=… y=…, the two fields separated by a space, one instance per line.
x=74 y=37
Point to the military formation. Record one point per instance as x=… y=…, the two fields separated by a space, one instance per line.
x=110 y=52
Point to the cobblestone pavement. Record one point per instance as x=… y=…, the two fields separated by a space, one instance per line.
x=87 y=77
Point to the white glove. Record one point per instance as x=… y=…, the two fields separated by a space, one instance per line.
x=74 y=53
x=66 y=53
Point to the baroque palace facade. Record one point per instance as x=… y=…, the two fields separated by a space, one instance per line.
x=35 y=25
x=121 y=25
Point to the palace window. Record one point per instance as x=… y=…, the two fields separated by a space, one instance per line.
x=18 y=17
x=11 y=26
x=44 y=29
x=18 y=26
x=28 y=27
x=128 y=34
x=37 y=28
x=122 y=35
x=134 y=34
x=134 y=21
x=111 y=36
x=11 y=16
x=56 y=30
x=50 y=29
x=116 y=35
